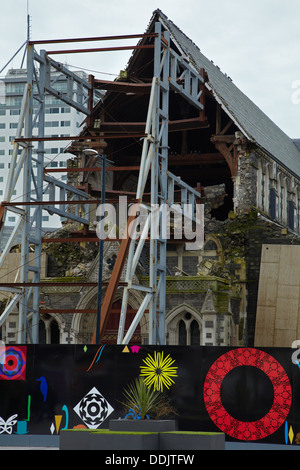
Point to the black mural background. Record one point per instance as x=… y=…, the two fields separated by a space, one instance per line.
x=71 y=371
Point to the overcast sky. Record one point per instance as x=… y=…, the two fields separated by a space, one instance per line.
x=255 y=42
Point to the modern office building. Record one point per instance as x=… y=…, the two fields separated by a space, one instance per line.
x=60 y=121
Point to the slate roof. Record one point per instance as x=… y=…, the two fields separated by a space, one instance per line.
x=249 y=118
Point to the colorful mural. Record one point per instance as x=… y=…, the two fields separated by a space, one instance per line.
x=282 y=394
x=12 y=362
x=249 y=394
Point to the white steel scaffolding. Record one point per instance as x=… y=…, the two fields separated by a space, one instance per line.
x=171 y=72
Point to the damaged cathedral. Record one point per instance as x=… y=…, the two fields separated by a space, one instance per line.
x=248 y=174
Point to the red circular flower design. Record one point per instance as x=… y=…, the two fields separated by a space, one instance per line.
x=247 y=430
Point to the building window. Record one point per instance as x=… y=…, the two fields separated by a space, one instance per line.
x=42 y=332
x=272 y=203
x=188 y=331
x=52 y=110
x=291 y=215
x=195 y=333
x=54 y=332
x=49 y=331
x=52 y=124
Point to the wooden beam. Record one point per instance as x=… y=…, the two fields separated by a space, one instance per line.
x=227 y=139
x=123 y=87
x=173 y=160
x=231 y=159
x=227 y=127
x=139 y=127
x=195 y=159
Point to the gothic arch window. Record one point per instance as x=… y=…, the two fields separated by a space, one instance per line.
x=194 y=333
x=49 y=331
x=182 y=336
x=83 y=325
x=54 y=332
x=267 y=188
x=212 y=249
x=188 y=330
x=42 y=332
x=282 y=203
x=184 y=327
x=291 y=205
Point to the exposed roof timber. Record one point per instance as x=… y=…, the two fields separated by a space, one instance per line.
x=195 y=159
x=231 y=158
x=226 y=111
x=123 y=87
x=174 y=160
x=139 y=127
x=227 y=139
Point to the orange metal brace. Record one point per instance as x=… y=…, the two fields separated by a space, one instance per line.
x=114 y=279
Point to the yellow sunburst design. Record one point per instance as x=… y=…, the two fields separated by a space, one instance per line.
x=158 y=371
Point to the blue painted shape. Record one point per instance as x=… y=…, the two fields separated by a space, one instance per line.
x=22 y=427
x=134 y=415
x=65 y=409
x=43 y=386
x=286 y=432
x=100 y=353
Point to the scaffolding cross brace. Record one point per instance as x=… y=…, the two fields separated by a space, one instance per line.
x=171 y=72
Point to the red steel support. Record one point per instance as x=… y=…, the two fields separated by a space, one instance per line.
x=114 y=281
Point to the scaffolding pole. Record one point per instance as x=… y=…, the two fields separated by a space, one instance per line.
x=30 y=168
x=170 y=72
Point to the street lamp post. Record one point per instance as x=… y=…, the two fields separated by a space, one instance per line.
x=101 y=247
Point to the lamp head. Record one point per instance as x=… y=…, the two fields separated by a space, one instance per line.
x=90 y=152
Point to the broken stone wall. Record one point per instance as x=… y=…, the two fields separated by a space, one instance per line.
x=245 y=182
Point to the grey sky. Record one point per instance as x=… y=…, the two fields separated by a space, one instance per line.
x=255 y=42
